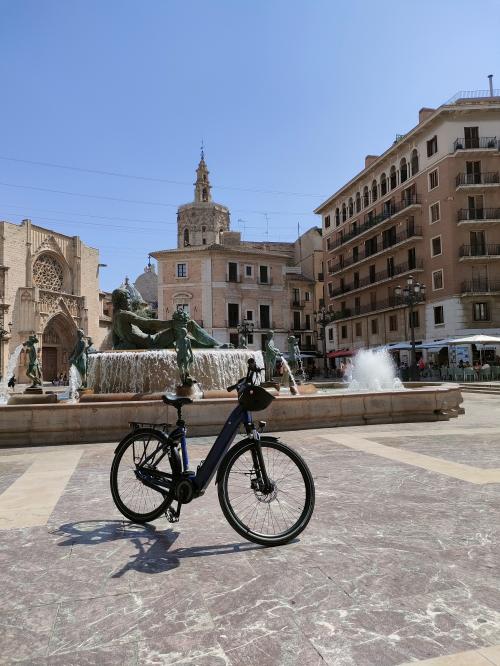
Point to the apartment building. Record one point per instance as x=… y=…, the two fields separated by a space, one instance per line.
x=429 y=207
x=222 y=280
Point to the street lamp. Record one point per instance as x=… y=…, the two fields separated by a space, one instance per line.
x=412 y=294
x=244 y=329
x=323 y=318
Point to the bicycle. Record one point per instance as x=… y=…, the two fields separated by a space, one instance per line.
x=265 y=488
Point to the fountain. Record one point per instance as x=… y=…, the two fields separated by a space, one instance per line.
x=11 y=369
x=374 y=370
x=75 y=382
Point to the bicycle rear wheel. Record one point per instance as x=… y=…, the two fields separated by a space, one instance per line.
x=271 y=518
x=136 y=501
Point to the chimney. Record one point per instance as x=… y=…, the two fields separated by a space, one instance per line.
x=490 y=80
x=424 y=113
x=370 y=159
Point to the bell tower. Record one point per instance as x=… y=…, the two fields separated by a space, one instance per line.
x=203 y=221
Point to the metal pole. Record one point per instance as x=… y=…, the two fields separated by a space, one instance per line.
x=325 y=366
x=413 y=370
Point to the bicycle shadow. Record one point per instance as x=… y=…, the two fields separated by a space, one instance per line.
x=154 y=552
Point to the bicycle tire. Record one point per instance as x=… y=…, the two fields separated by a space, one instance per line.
x=145 y=495
x=237 y=462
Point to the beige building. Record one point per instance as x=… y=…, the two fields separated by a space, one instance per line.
x=429 y=206
x=222 y=280
x=49 y=285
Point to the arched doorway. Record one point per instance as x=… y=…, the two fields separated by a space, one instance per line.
x=58 y=340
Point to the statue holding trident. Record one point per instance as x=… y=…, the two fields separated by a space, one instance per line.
x=34 y=370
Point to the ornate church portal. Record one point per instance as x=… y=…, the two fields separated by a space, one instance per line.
x=58 y=340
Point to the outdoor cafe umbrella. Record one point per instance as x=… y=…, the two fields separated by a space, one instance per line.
x=479 y=340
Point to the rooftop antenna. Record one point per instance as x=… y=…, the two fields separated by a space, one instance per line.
x=244 y=223
x=267 y=227
x=490 y=79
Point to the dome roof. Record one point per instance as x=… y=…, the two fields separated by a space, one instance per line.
x=147 y=285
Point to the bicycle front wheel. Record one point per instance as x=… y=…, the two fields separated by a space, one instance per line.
x=269 y=518
x=136 y=501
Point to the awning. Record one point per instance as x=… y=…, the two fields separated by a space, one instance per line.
x=341 y=353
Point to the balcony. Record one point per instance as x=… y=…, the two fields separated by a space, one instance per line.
x=368 y=281
x=233 y=278
x=402 y=237
x=321 y=277
x=472 y=215
x=479 y=143
x=490 y=250
x=379 y=306
x=297 y=304
x=480 y=286
x=476 y=180
x=267 y=282
x=389 y=211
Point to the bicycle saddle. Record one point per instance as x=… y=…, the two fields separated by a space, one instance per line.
x=175 y=401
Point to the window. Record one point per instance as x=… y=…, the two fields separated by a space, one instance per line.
x=181 y=270
x=413 y=317
x=432 y=146
x=374 y=191
x=307 y=295
x=471 y=135
x=355 y=280
x=355 y=253
x=308 y=322
x=337 y=217
x=250 y=315
x=366 y=197
x=182 y=307
x=374 y=326
x=296 y=296
x=344 y=213
x=383 y=185
x=343 y=332
x=250 y=338
x=437 y=279
x=330 y=334
x=264 y=274
x=435 y=213
x=248 y=271
x=358 y=202
x=393 y=177
x=433 y=179
x=414 y=162
x=327 y=221
x=473 y=173
x=232 y=272
x=233 y=315
x=390 y=266
x=403 y=170
x=436 y=246
x=372 y=274
x=265 y=318
x=371 y=246
x=438 y=315
x=48 y=273
x=480 y=312
x=412 y=258
x=357 y=305
x=358 y=329
x=296 y=320
x=393 y=323
x=186 y=237
x=350 y=207
x=234 y=339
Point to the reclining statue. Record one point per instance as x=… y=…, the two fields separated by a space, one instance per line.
x=130 y=331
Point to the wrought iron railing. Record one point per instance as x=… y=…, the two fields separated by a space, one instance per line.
x=488 y=178
x=478 y=214
x=475 y=143
x=393 y=302
x=480 y=250
x=480 y=286
x=386 y=274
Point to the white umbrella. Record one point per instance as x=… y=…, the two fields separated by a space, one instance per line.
x=476 y=340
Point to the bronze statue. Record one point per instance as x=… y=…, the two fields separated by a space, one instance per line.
x=242 y=341
x=271 y=355
x=34 y=370
x=293 y=353
x=78 y=357
x=130 y=331
x=185 y=357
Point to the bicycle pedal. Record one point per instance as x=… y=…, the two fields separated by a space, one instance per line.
x=172 y=516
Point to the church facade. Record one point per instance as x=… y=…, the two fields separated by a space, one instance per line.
x=223 y=281
x=49 y=286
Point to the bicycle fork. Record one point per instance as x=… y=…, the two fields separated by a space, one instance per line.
x=262 y=483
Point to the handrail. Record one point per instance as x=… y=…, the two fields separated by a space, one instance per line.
x=399 y=269
x=480 y=286
x=486 y=178
x=478 y=214
x=472 y=143
x=480 y=250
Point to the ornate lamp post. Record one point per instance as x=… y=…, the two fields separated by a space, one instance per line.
x=323 y=318
x=244 y=329
x=412 y=293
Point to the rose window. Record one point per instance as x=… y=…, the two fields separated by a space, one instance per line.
x=48 y=273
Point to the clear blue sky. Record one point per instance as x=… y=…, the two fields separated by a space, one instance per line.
x=288 y=96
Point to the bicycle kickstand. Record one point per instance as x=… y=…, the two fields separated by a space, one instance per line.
x=173 y=515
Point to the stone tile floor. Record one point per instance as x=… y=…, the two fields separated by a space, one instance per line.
x=399 y=563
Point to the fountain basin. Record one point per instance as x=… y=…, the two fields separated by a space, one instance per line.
x=108 y=421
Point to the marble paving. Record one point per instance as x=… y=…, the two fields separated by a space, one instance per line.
x=400 y=563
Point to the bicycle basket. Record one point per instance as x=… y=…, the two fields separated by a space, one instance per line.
x=255 y=398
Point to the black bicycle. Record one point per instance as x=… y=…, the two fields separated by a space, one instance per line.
x=265 y=488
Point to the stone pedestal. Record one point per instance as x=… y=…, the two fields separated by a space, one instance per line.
x=33 y=390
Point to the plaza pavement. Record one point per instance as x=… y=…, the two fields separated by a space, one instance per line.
x=400 y=562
